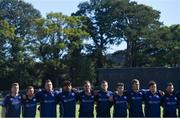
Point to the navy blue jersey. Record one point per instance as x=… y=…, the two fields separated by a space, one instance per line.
x=29 y=107
x=135 y=100
x=169 y=104
x=120 y=105
x=67 y=101
x=152 y=104
x=86 y=104
x=12 y=106
x=48 y=102
x=103 y=104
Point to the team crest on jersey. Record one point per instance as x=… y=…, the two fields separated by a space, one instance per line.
x=11 y=99
x=63 y=96
x=52 y=94
x=140 y=93
x=167 y=98
x=157 y=96
x=175 y=98
x=92 y=96
x=19 y=97
x=34 y=99
x=125 y=97
x=73 y=94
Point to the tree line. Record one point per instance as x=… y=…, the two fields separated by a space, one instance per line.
x=59 y=47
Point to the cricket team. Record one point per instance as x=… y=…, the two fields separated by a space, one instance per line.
x=126 y=103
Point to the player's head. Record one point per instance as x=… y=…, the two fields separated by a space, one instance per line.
x=152 y=86
x=48 y=85
x=135 y=84
x=87 y=86
x=15 y=88
x=67 y=86
x=104 y=85
x=30 y=91
x=170 y=88
x=120 y=87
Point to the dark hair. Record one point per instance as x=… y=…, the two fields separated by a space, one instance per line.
x=29 y=87
x=66 y=83
x=14 y=84
x=119 y=84
x=169 y=84
x=151 y=83
x=87 y=82
x=48 y=80
x=134 y=81
x=103 y=81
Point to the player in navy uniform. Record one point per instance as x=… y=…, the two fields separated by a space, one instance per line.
x=11 y=106
x=48 y=100
x=135 y=99
x=67 y=100
x=169 y=102
x=29 y=103
x=86 y=100
x=120 y=101
x=103 y=100
x=152 y=100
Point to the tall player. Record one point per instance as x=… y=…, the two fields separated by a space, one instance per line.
x=104 y=102
x=48 y=100
x=152 y=100
x=120 y=101
x=12 y=103
x=86 y=100
x=67 y=100
x=169 y=102
x=135 y=99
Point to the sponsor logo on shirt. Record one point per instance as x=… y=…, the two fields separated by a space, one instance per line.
x=103 y=99
x=154 y=102
x=30 y=105
x=15 y=102
x=87 y=101
x=49 y=101
x=69 y=100
x=171 y=103
x=136 y=98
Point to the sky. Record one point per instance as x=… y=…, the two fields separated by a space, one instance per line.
x=170 y=11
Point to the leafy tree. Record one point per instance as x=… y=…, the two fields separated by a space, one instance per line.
x=58 y=36
x=20 y=16
x=111 y=22
x=164 y=50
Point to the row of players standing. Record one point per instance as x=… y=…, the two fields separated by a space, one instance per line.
x=104 y=99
